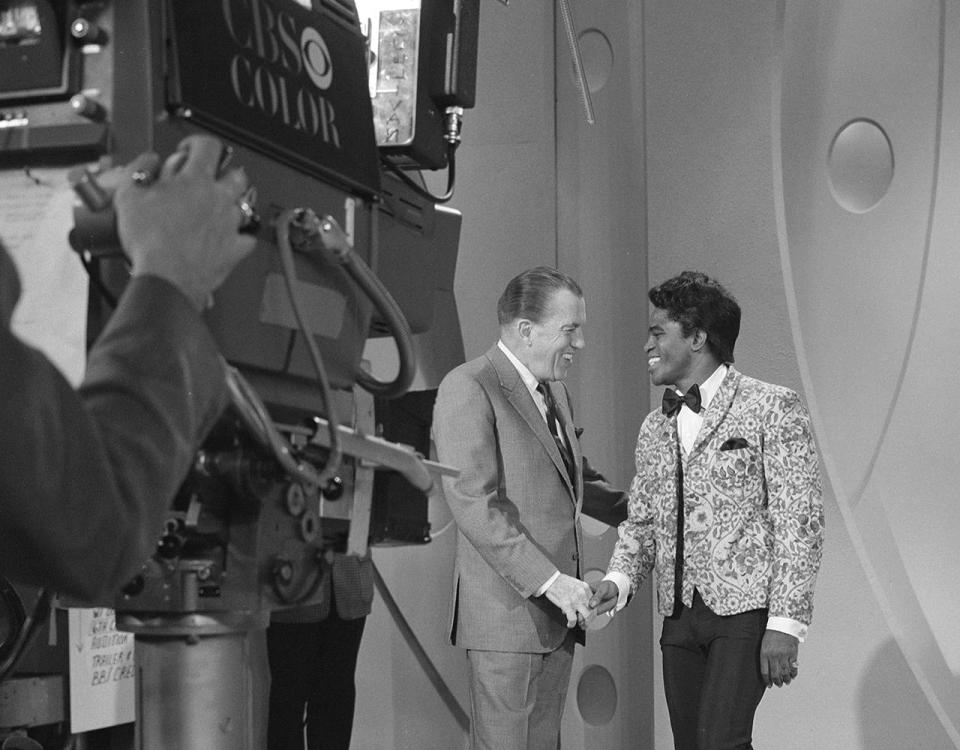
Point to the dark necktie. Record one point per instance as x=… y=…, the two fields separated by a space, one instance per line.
x=673 y=401
x=553 y=423
x=678 y=559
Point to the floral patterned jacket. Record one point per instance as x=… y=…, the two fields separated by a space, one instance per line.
x=753 y=524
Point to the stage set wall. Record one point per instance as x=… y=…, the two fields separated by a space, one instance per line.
x=805 y=153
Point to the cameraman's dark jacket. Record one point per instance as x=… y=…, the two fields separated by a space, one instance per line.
x=87 y=476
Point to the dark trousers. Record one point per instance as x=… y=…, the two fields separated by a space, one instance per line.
x=312 y=664
x=711 y=676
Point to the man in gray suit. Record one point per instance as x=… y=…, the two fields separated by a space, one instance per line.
x=505 y=420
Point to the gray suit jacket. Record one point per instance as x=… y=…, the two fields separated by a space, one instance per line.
x=516 y=509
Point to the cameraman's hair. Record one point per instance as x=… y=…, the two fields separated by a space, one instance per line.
x=696 y=301
x=527 y=294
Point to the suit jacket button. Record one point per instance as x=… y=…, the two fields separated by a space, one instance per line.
x=575 y=557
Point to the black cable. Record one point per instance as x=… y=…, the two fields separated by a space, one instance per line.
x=28 y=632
x=334 y=241
x=253 y=413
x=451 y=176
x=93 y=274
x=289 y=274
x=12 y=616
x=396 y=322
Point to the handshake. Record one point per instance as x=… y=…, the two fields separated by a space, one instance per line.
x=579 y=602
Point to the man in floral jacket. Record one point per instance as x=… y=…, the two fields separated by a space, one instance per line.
x=738 y=456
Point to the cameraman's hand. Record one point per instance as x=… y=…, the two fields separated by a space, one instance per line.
x=182 y=223
x=571 y=595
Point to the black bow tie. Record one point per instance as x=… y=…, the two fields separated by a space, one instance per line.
x=672 y=401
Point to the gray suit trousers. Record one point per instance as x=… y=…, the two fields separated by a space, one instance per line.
x=517 y=699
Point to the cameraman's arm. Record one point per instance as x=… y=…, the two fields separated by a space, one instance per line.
x=154 y=387
x=86 y=481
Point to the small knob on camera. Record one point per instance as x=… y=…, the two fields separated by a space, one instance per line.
x=333 y=489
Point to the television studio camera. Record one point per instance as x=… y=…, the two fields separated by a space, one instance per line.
x=327 y=104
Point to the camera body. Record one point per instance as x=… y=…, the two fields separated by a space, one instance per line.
x=287 y=88
x=85 y=85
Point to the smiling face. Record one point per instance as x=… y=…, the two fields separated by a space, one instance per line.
x=550 y=344
x=671 y=356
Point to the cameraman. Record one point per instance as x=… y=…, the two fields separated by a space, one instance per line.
x=86 y=477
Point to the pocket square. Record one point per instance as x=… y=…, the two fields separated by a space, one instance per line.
x=733 y=444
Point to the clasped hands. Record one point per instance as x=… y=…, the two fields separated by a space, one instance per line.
x=578 y=602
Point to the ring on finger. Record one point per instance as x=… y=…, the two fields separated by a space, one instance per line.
x=249 y=220
x=249 y=196
x=142 y=177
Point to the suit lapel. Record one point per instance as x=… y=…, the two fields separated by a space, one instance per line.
x=519 y=397
x=669 y=427
x=718 y=409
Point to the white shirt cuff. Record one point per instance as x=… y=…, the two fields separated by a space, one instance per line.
x=623 y=587
x=543 y=589
x=785 y=625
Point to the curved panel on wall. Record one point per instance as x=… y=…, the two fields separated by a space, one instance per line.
x=864 y=121
x=598 y=189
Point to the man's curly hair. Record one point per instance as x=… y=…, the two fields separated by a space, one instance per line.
x=696 y=301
